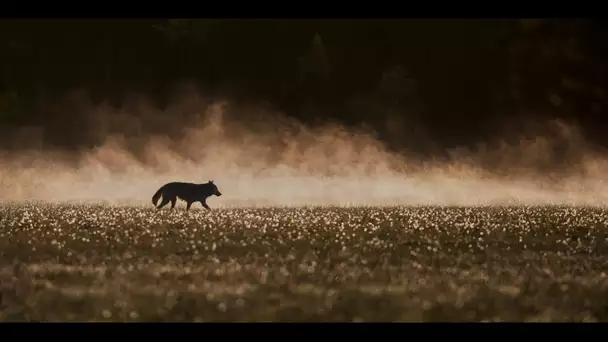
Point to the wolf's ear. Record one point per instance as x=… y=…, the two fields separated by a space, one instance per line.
x=211 y=181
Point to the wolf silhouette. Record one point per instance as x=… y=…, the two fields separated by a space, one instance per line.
x=188 y=192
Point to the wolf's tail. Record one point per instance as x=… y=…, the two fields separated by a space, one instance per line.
x=157 y=194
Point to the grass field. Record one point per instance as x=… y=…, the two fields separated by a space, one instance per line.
x=102 y=263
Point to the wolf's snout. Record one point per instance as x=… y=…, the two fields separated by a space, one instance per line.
x=218 y=194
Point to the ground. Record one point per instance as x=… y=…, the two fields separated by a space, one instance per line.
x=105 y=263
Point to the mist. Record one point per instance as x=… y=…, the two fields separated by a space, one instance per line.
x=260 y=157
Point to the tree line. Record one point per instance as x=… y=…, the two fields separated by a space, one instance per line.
x=457 y=78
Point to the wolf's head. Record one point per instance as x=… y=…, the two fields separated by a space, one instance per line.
x=214 y=188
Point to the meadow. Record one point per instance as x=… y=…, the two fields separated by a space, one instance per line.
x=76 y=262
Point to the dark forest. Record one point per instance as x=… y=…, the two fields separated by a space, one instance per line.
x=453 y=82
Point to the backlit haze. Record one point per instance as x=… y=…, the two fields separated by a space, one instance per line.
x=258 y=157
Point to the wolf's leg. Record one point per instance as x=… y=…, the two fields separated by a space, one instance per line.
x=204 y=203
x=188 y=205
x=173 y=201
x=163 y=203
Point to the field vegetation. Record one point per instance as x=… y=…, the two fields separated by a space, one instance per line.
x=119 y=263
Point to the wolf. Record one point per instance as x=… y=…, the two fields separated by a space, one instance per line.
x=188 y=192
